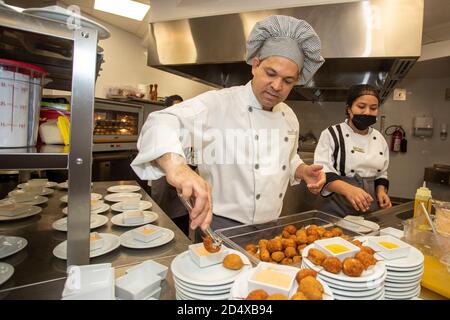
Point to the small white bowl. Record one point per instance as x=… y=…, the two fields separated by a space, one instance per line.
x=400 y=250
x=147 y=233
x=133 y=216
x=204 y=258
x=324 y=245
x=137 y=285
x=273 y=278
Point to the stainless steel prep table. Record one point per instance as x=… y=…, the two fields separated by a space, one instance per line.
x=40 y=275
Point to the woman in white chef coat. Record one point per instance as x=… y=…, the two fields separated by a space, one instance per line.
x=245 y=136
x=355 y=157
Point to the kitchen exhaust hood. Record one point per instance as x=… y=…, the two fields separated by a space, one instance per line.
x=375 y=42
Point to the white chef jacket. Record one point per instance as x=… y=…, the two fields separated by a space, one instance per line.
x=249 y=189
x=365 y=155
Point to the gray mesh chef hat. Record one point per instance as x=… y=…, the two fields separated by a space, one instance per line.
x=288 y=37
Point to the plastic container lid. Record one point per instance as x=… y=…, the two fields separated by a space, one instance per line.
x=23 y=65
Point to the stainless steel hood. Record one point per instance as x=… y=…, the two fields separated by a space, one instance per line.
x=375 y=42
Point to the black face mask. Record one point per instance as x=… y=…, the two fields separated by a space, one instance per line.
x=363 y=121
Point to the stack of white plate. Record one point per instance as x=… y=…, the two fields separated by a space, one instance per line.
x=404 y=275
x=369 y=286
x=210 y=283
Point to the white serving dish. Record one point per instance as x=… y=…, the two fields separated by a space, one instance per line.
x=146 y=233
x=133 y=217
x=137 y=285
x=352 y=249
x=269 y=284
x=89 y=282
x=204 y=258
x=402 y=249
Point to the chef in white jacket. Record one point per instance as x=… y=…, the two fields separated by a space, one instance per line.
x=245 y=137
x=355 y=157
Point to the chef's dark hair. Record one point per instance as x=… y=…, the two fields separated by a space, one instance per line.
x=357 y=91
x=170 y=99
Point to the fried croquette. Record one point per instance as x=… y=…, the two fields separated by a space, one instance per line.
x=311 y=288
x=296 y=259
x=277 y=296
x=299 y=296
x=290 y=252
x=258 y=294
x=332 y=264
x=357 y=243
x=265 y=255
x=305 y=273
x=262 y=243
x=300 y=231
x=352 y=267
x=337 y=232
x=288 y=243
x=366 y=259
x=316 y=256
x=285 y=234
x=328 y=234
x=321 y=231
x=302 y=238
x=367 y=249
x=251 y=248
x=291 y=229
x=286 y=261
x=312 y=238
x=312 y=232
x=233 y=261
x=274 y=245
x=277 y=256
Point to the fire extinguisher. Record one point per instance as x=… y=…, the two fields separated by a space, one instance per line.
x=398 y=140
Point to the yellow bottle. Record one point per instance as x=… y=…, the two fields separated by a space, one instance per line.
x=423 y=195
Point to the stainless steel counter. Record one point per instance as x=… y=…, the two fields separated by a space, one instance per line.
x=40 y=275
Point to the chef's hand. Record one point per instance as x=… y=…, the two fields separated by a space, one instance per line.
x=383 y=199
x=359 y=199
x=191 y=186
x=313 y=175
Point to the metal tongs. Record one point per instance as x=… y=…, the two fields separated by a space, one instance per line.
x=211 y=240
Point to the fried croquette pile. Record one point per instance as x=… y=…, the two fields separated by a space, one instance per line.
x=287 y=247
x=309 y=288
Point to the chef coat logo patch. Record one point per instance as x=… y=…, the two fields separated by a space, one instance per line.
x=358 y=149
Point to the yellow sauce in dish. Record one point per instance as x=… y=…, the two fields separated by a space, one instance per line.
x=273 y=277
x=148 y=231
x=388 y=245
x=337 y=248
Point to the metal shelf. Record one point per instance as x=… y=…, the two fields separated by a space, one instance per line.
x=42 y=42
x=54 y=157
x=73 y=60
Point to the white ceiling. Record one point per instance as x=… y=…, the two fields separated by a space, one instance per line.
x=436 y=16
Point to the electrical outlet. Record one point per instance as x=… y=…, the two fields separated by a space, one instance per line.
x=400 y=94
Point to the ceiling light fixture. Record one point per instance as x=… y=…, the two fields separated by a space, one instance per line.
x=127 y=8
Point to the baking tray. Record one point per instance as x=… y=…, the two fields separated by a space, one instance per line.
x=238 y=237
